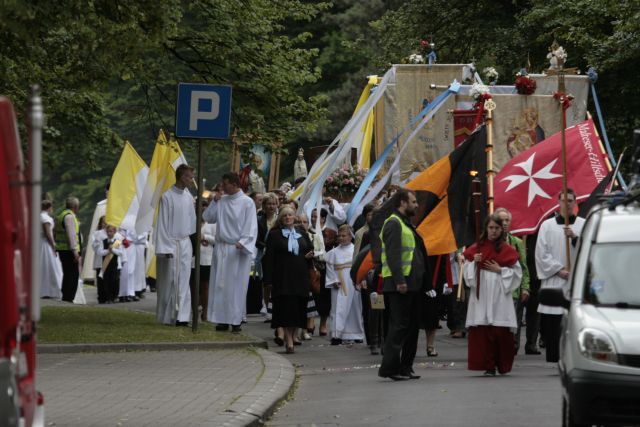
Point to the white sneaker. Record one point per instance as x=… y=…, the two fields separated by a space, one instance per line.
x=306 y=336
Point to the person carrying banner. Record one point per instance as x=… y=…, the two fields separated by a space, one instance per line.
x=492 y=271
x=551 y=264
x=404 y=273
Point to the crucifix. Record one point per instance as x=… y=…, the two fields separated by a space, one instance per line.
x=557 y=57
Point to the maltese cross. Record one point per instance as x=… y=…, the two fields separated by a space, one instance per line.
x=534 y=188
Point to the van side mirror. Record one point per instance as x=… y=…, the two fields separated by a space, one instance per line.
x=553 y=298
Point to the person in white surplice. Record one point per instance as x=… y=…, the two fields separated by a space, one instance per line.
x=176 y=222
x=551 y=265
x=346 y=303
x=50 y=266
x=236 y=231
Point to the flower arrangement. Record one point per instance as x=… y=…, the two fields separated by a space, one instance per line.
x=525 y=85
x=344 y=182
x=416 y=58
x=479 y=93
x=491 y=74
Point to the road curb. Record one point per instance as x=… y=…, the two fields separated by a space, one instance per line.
x=111 y=347
x=254 y=407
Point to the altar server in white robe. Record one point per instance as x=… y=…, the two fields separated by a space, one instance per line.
x=552 y=268
x=346 y=303
x=236 y=231
x=50 y=266
x=139 y=241
x=492 y=271
x=176 y=222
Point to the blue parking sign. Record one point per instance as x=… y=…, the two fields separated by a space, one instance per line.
x=203 y=111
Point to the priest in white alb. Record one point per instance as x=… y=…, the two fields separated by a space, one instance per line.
x=176 y=222
x=236 y=231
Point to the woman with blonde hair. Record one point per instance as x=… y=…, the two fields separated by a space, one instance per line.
x=286 y=265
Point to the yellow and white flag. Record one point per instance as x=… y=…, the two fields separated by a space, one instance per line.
x=127 y=186
x=167 y=156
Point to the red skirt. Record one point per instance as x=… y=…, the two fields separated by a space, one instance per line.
x=491 y=347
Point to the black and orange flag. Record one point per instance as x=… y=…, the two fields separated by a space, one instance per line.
x=445 y=214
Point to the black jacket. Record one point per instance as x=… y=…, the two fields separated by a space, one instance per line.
x=392 y=237
x=288 y=273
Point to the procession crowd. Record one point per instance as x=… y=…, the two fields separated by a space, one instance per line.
x=371 y=283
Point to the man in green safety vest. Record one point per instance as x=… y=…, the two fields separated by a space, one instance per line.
x=404 y=274
x=67 y=236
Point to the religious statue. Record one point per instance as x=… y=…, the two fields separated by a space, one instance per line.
x=556 y=56
x=300 y=166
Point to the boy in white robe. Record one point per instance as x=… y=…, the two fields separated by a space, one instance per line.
x=176 y=222
x=236 y=232
x=346 y=303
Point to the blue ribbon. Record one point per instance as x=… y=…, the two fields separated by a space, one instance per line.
x=292 y=243
x=373 y=171
x=593 y=78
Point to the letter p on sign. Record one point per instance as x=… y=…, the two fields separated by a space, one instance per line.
x=203 y=111
x=211 y=113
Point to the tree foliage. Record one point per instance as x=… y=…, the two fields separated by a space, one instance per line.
x=510 y=34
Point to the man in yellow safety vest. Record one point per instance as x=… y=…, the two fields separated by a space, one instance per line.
x=404 y=274
x=67 y=237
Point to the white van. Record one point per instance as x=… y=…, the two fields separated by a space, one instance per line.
x=600 y=342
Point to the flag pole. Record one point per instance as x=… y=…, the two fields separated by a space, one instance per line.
x=195 y=297
x=563 y=126
x=476 y=196
x=489 y=106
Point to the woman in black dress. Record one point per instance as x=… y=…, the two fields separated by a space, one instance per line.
x=285 y=264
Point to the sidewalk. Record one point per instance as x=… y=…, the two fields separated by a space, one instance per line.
x=231 y=387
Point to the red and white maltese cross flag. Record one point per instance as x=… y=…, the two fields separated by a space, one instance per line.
x=528 y=186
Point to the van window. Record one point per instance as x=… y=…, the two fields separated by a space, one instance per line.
x=612 y=277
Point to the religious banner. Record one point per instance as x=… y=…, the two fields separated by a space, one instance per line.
x=528 y=185
x=464 y=123
x=576 y=85
x=404 y=100
x=521 y=121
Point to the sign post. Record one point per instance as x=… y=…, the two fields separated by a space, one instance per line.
x=203 y=111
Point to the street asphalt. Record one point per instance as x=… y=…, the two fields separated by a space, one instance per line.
x=337 y=386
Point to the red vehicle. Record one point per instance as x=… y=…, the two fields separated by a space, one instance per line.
x=20 y=191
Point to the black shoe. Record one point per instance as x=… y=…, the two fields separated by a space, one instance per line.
x=222 y=327
x=178 y=323
x=122 y=299
x=541 y=343
x=395 y=377
x=411 y=375
x=336 y=341
x=236 y=329
x=532 y=351
x=279 y=341
x=134 y=299
x=358 y=341
x=297 y=342
x=374 y=351
x=490 y=372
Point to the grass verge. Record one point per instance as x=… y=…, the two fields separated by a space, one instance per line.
x=81 y=325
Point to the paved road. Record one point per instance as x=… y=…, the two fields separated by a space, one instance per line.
x=339 y=387
x=168 y=388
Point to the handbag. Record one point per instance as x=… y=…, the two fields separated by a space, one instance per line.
x=314 y=280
